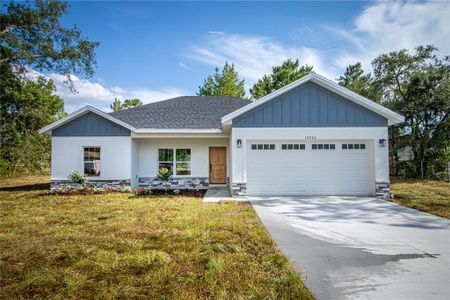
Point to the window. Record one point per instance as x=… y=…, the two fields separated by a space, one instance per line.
x=293 y=146
x=91 y=161
x=165 y=159
x=178 y=164
x=263 y=146
x=183 y=162
x=353 y=146
x=323 y=146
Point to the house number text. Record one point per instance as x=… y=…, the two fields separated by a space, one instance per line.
x=310 y=137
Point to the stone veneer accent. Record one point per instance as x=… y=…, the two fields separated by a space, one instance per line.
x=56 y=184
x=239 y=189
x=176 y=183
x=382 y=189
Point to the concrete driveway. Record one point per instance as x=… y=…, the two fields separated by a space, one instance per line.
x=361 y=248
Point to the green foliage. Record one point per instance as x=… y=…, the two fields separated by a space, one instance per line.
x=225 y=83
x=26 y=106
x=282 y=75
x=418 y=87
x=164 y=175
x=32 y=35
x=117 y=105
x=363 y=84
x=77 y=177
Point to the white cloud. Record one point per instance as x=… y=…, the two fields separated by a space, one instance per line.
x=184 y=66
x=101 y=95
x=392 y=26
x=253 y=55
x=381 y=27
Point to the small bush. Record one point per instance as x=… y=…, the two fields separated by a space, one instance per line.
x=163 y=175
x=77 y=177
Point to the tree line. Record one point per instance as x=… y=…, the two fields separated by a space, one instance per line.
x=413 y=83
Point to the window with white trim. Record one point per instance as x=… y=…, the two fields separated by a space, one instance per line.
x=91 y=161
x=178 y=164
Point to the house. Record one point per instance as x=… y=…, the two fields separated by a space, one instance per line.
x=311 y=137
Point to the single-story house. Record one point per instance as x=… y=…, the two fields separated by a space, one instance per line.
x=311 y=137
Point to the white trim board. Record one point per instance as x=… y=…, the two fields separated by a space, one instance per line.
x=393 y=117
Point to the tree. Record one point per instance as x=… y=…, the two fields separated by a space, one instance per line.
x=32 y=37
x=363 y=84
x=282 y=75
x=418 y=86
x=117 y=105
x=225 y=83
x=34 y=106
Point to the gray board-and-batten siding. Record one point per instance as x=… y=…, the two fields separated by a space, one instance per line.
x=310 y=105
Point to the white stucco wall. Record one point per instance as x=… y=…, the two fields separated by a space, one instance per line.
x=148 y=153
x=373 y=134
x=115 y=156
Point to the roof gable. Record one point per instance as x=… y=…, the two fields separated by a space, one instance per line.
x=90 y=124
x=309 y=105
x=392 y=117
x=81 y=112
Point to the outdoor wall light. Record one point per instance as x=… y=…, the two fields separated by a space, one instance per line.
x=382 y=143
x=239 y=143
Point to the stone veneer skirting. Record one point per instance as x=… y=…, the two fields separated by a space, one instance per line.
x=57 y=184
x=239 y=189
x=176 y=183
x=382 y=189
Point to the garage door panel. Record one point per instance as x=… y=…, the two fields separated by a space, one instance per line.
x=308 y=171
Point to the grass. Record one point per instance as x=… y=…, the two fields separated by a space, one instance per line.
x=426 y=195
x=123 y=246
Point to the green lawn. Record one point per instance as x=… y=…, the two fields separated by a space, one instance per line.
x=123 y=246
x=426 y=195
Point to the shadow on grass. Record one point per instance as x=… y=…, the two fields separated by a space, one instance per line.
x=26 y=188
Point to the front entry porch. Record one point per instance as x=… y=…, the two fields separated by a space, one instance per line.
x=194 y=162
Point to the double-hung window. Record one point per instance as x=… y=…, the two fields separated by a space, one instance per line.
x=177 y=161
x=91 y=161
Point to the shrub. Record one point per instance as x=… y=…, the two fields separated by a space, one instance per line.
x=76 y=177
x=163 y=175
x=124 y=188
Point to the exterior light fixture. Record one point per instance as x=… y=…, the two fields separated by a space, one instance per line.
x=382 y=143
x=239 y=143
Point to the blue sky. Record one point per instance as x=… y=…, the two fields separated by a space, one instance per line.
x=158 y=50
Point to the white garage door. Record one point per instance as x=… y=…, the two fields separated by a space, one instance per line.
x=309 y=168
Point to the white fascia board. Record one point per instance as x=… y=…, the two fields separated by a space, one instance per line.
x=187 y=130
x=81 y=112
x=393 y=117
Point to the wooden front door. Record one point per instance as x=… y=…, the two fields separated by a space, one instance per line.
x=217 y=165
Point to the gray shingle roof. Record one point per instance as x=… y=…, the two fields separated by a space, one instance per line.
x=186 y=112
